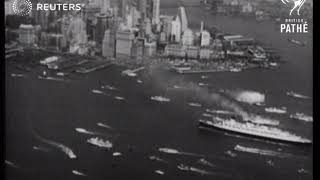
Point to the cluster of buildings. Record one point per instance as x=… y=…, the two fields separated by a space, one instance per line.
x=124 y=28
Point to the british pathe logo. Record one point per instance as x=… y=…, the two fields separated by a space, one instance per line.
x=22 y=7
x=297 y=4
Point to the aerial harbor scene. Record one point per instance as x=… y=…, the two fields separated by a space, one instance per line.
x=158 y=89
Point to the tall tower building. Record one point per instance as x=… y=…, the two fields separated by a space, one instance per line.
x=101 y=27
x=156 y=12
x=123 y=8
x=184 y=19
x=176 y=29
x=142 y=7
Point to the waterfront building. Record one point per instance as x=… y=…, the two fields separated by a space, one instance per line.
x=167 y=25
x=205 y=53
x=90 y=10
x=192 y=52
x=217 y=54
x=108 y=44
x=101 y=27
x=56 y=42
x=26 y=34
x=163 y=37
x=187 y=37
x=124 y=42
x=176 y=30
x=89 y=13
x=175 y=50
x=247 y=8
x=156 y=12
x=138 y=47
x=183 y=18
x=150 y=48
x=148 y=27
x=217 y=44
x=77 y=35
x=205 y=38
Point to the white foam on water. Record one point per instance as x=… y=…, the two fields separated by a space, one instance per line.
x=205 y=162
x=183 y=167
x=40 y=148
x=65 y=149
x=155 y=158
x=297 y=95
x=84 y=131
x=230 y=153
x=11 y=164
x=51 y=78
x=174 y=151
x=104 y=125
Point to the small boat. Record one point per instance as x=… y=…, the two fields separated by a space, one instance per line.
x=235 y=70
x=283 y=110
x=96 y=91
x=160 y=98
x=203 y=84
x=119 y=98
x=194 y=104
x=112 y=88
x=296 y=95
x=302 y=117
x=100 y=142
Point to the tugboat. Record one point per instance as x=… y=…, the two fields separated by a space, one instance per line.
x=253 y=130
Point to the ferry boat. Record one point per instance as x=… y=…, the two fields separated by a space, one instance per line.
x=254 y=130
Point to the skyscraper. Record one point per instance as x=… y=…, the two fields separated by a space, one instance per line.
x=108 y=44
x=102 y=25
x=156 y=12
x=142 y=7
x=184 y=20
x=123 y=8
x=176 y=29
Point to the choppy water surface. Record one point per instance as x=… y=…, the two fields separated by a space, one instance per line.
x=49 y=122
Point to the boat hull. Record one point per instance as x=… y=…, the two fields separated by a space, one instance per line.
x=208 y=127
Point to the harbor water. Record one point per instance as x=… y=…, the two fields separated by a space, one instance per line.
x=42 y=116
